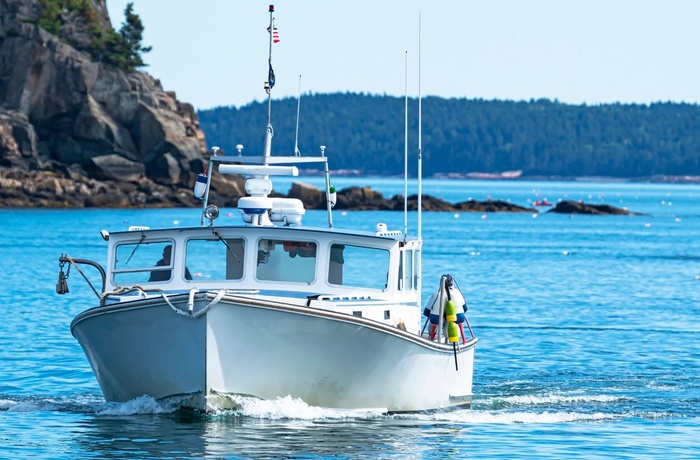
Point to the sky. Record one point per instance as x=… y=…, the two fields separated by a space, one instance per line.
x=215 y=52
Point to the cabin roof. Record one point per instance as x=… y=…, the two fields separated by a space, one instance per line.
x=387 y=235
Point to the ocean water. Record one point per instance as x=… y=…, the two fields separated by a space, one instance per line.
x=588 y=326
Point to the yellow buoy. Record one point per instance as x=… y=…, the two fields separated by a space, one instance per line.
x=450 y=312
x=453 y=332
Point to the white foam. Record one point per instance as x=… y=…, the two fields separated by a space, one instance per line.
x=560 y=399
x=477 y=417
x=535 y=417
x=139 y=406
x=6 y=404
x=29 y=405
x=293 y=408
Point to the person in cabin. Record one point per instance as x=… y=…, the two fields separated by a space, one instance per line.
x=164 y=275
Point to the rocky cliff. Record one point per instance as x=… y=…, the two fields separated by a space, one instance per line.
x=69 y=122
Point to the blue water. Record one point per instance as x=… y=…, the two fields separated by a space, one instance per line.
x=588 y=326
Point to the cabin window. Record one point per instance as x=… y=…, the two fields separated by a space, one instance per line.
x=142 y=262
x=288 y=261
x=406 y=271
x=215 y=259
x=358 y=266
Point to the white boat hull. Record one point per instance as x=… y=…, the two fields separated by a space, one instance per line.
x=145 y=349
x=250 y=346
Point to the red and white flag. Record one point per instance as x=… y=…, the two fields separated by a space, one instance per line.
x=275 y=33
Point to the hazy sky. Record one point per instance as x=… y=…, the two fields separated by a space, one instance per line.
x=214 y=52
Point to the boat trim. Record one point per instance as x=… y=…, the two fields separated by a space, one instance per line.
x=243 y=301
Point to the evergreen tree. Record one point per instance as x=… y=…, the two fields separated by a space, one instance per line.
x=131 y=34
x=122 y=49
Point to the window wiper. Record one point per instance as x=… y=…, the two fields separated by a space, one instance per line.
x=143 y=237
x=226 y=244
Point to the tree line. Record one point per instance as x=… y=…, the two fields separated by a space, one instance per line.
x=539 y=137
x=122 y=49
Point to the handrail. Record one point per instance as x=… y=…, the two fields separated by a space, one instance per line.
x=75 y=262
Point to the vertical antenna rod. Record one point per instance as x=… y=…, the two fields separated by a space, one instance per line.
x=420 y=138
x=419 y=259
x=296 y=135
x=405 y=152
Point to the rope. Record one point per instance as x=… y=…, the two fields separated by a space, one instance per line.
x=175 y=309
x=72 y=262
x=124 y=290
x=203 y=311
x=214 y=301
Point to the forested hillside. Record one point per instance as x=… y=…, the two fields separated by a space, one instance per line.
x=541 y=138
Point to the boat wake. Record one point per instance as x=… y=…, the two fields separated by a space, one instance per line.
x=283 y=408
x=554 y=408
x=84 y=404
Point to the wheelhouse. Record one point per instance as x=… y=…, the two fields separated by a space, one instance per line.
x=310 y=262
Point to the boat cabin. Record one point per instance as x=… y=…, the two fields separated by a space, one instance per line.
x=314 y=267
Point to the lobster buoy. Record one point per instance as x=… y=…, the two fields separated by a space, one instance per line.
x=200 y=185
x=450 y=312
x=454 y=310
x=333 y=198
x=453 y=332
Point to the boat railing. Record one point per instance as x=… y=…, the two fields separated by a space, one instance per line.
x=258 y=185
x=62 y=284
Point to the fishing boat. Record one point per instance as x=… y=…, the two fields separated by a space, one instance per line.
x=543 y=203
x=269 y=308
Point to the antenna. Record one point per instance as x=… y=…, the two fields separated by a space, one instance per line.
x=405 y=153
x=269 y=84
x=419 y=258
x=420 y=139
x=296 y=135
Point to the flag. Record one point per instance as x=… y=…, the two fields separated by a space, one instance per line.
x=271 y=77
x=275 y=33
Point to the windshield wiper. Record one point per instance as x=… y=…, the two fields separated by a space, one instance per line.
x=226 y=244
x=143 y=237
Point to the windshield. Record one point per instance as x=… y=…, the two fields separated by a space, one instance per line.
x=289 y=261
x=358 y=266
x=215 y=259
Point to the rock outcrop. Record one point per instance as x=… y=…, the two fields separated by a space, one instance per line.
x=63 y=115
x=579 y=207
x=364 y=198
x=491 y=206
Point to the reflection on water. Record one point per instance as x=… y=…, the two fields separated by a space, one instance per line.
x=231 y=435
x=183 y=434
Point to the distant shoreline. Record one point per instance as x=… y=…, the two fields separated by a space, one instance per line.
x=660 y=179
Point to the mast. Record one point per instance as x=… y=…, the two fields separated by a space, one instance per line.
x=268 y=88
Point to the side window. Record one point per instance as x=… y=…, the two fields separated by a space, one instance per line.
x=289 y=261
x=358 y=266
x=142 y=262
x=211 y=260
